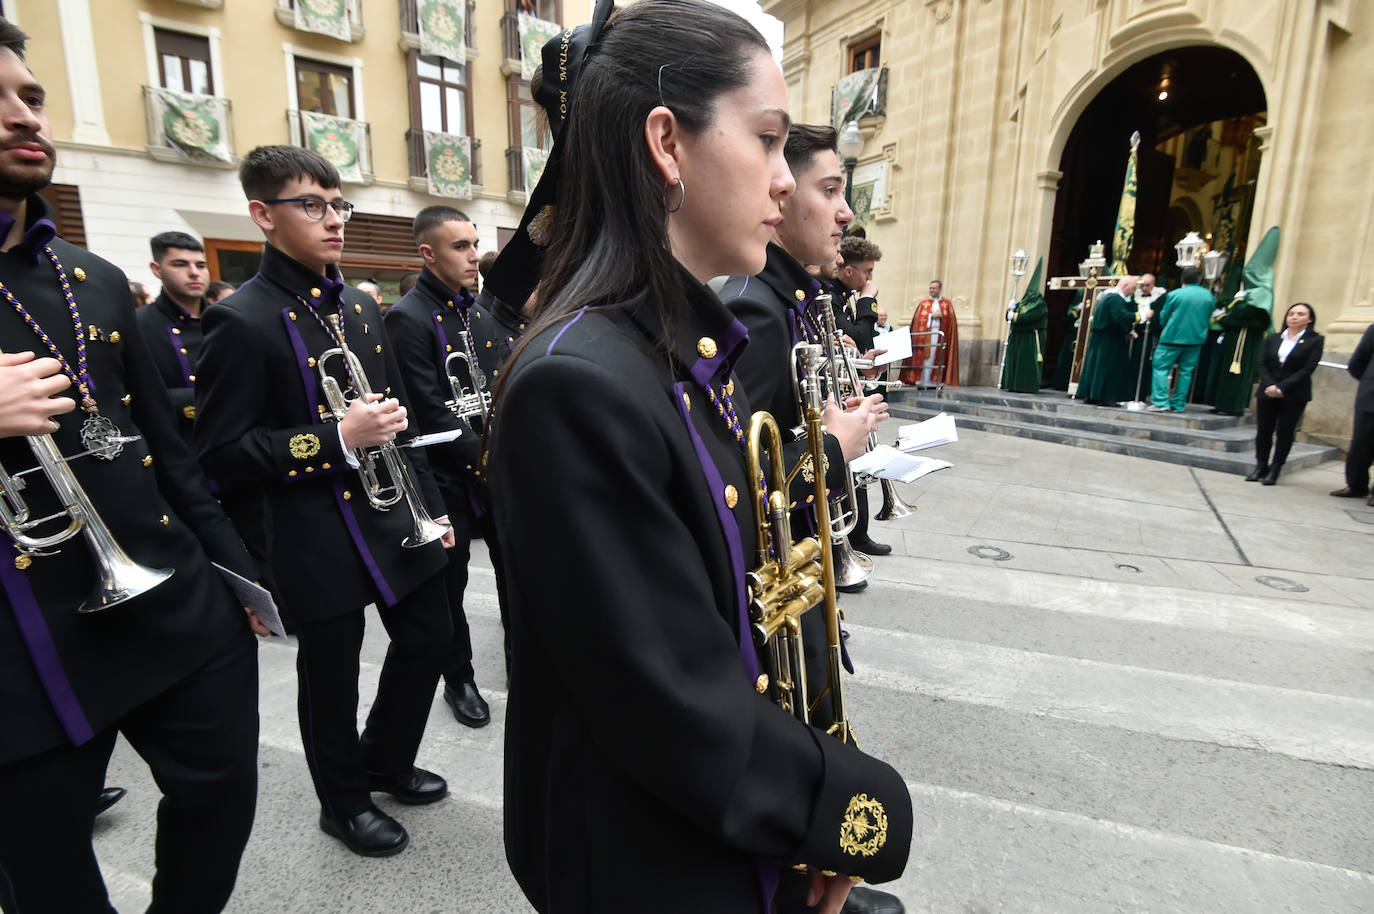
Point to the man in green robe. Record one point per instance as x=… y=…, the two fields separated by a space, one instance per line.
x=1245 y=321
x=1106 y=379
x=1064 y=365
x=1184 y=319
x=1024 y=364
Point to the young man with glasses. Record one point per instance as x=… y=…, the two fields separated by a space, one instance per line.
x=264 y=426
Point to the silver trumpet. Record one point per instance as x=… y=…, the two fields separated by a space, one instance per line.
x=845 y=366
x=118 y=577
x=473 y=400
x=382 y=495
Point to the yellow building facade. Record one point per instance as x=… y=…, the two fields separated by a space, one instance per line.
x=250 y=74
x=981 y=97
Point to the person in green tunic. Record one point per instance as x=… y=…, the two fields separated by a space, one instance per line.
x=1245 y=322
x=1106 y=379
x=1184 y=320
x=1064 y=364
x=1024 y=364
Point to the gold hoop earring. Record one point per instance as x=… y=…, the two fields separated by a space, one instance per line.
x=683 y=198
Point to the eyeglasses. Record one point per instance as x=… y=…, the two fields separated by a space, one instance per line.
x=314 y=206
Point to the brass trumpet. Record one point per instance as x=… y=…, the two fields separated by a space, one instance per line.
x=398 y=485
x=472 y=401
x=118 y=577
x=792 y=579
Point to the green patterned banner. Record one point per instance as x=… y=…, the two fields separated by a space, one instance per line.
x=1123 y=239
x=442 y=29
x=854 y=94
x=534 y=34
x=194 y=125
x=325 y=17
x=448 y=164
x=338 y=139
x=534 y=159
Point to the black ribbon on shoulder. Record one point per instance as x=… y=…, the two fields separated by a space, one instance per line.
x=562 y=58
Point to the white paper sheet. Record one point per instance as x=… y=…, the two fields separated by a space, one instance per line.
x=435 y=438
x=937 y=430
x=254 y=597
x=898 y=346
x=889 y=463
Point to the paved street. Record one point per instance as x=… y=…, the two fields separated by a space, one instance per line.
x=1073 y=657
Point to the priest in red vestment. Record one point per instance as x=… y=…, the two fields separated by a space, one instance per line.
x=934 y=356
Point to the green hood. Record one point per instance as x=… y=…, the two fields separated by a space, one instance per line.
x=1032 y=296
x=1259 y=273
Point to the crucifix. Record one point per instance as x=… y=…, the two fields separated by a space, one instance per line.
x=1092 y=283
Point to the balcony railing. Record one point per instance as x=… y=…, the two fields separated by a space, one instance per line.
x=183 y=127
x=419 y=167
x=286 y=15
x=346 y=143
x=410 y=24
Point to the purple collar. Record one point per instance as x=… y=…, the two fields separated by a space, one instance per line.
x=39 y=233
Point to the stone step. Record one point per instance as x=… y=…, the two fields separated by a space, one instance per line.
x=1057 y=402
x=1161 y=427
x=1303 y=456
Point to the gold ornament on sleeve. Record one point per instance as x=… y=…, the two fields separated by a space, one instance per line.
x=303 y=447
x=864 y=829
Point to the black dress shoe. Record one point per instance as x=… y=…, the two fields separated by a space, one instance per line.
x=852 y=588
x=371 y=833
x=468 y=705
x=1347 y=492
x=868 y=547
x=416 y=789
x=1258 y=473
x=108 y=797
x=1271 y=478
x=870 y=901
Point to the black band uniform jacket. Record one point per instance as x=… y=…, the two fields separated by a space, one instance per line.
x=65 y=675
x=260 y=424
x=666 y=775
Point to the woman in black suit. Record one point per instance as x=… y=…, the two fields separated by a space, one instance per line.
x=1285 y=370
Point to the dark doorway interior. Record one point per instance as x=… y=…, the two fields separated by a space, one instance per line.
x=1179 y=152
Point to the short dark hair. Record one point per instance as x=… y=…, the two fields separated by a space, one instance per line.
x=938 y=283
x=485 y=263
x=1310 y=310
x=431 y=217
x=216 y=288
x=858 y=250
x=408 y=282
x=163 y=241
x=1191 y=276
x=12 y=37
x=803 y=142
x=266 y=169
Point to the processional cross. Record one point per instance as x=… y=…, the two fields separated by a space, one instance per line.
x=1093 y=283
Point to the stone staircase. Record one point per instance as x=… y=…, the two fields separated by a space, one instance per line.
x=1197 y=438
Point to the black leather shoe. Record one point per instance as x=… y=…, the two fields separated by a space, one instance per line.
x=416 y=789
x=1272 y=478
x=851 y=588
x=108 y=797
x=1258 y=473
x=468 y=705
x=371 y=833
x=870 y=901
x=868 y=547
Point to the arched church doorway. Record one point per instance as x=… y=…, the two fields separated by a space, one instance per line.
x=1197 y=109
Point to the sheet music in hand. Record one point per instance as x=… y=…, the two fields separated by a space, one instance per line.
x=887 y=462
x=933 y=432
x=255 y=597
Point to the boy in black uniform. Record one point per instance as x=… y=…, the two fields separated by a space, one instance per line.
x=171 y=323
x=175 y=668
x=425 y=326
x=855 y=295
x=263 y=425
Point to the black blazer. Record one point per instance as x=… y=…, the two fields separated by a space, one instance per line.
x=623 y=512
x=174 y=339
x=1361 y=368
x=152 y=497
x=260 y=428
x=1294 y=376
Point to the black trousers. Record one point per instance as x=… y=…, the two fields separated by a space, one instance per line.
x=327 y=695
x=457 y=667
x=1361 y=453
x=200 y=739
x=1275 y=417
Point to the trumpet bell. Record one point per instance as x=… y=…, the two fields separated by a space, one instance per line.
x=120 y=581
x=426 y=531
x=850 y=567
x=893 y=507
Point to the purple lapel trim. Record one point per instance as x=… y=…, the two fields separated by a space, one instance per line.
x=312 y=395
x=729 y=527
x=34 y=629
x=559 y=335
x=181 y=358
